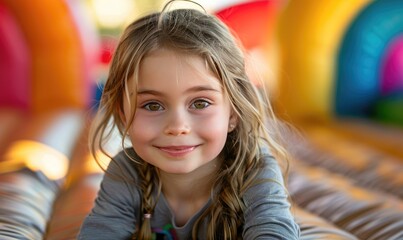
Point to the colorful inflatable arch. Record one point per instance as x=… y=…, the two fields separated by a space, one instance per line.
x=56 y=70
x=340 y=57
x=310 y=35
x=370 y=61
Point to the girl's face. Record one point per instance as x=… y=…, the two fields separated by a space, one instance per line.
x=182 y=115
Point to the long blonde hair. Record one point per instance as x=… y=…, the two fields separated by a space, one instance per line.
x=194 y=32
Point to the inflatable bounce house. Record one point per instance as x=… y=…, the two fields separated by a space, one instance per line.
x=333 y=69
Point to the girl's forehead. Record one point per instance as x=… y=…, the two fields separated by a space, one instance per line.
x=175 y=57
x=176 y=67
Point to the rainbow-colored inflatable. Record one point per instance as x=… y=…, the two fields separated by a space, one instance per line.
x=340 y=58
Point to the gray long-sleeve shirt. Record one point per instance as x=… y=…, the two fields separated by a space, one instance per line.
x=116 y=211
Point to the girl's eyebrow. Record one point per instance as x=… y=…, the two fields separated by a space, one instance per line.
x=149 y=92
x=200 y=88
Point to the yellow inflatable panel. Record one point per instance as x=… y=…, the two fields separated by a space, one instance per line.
x=37 y=157
x=57 y=57
x=310 y=33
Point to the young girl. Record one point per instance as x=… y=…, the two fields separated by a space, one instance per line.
x=201 y=163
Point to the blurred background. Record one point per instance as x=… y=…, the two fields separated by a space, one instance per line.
x=333 y=69
x=317 y=60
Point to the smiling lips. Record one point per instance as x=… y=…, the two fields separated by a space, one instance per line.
x=177 y=151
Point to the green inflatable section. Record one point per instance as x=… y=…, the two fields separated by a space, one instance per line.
x=390 y=110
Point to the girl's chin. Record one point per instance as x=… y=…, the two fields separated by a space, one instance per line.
x=178 y=171
x=181 y=169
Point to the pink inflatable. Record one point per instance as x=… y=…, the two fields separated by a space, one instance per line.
x=14 y=64
x=392 y=72
x=57 y=60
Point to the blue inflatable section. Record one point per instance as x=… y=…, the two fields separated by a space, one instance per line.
x=360 y=57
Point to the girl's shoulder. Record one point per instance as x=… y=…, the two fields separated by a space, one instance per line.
x=123 y=164
x=270 y=178
x=270 y=166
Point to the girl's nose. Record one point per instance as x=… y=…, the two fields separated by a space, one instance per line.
x=177 y=124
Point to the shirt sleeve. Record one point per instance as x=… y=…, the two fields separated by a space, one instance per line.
x=113 y=215
x=267 y=213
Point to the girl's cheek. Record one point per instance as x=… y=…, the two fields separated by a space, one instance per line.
x=215 y=122
x=144 y=123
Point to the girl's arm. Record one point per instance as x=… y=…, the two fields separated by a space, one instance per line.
x=267 y=214
x=113 y=215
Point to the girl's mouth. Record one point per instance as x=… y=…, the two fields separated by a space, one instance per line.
x=177 y=151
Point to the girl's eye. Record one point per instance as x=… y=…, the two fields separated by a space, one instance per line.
x=200 y=104
x=153 y=106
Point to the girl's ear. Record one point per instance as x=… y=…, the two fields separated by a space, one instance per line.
x=233 y=122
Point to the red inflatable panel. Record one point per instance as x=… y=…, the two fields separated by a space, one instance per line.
x=14 y=63
x=251 y=21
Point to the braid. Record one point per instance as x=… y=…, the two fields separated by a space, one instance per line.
x=228 y=211
x=225 y=215
x=147 y=173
